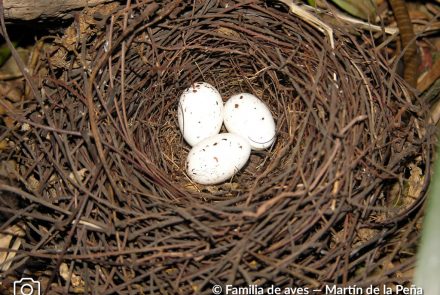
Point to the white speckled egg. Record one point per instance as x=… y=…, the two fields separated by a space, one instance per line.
x=200 y=112
x=249 y=117
x=217 y=158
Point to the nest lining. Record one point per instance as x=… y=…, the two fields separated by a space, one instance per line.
x=302 y=213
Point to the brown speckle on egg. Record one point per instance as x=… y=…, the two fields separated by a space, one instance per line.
x=236 y=105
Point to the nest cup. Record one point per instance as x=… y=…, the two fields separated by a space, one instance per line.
x=314 y=209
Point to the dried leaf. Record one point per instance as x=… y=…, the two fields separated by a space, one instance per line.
x=228 y=186
x=75 y=280
x=415 y=183
x=228 y=32
x=7 y=168
x=3 y=145
x=428 y=78
x=9 y=122
x=5 y=106
x=10 y=69
x=32 y=183
x=11 y=90
x=81 y=173
x=10 y=239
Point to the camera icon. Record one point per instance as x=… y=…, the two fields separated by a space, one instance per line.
x=26 y=286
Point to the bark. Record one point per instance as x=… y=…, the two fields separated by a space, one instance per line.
x=23 y=10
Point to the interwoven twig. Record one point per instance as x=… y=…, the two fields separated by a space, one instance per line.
x=113 y=200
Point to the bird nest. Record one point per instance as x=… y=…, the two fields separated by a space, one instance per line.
x=103 y=199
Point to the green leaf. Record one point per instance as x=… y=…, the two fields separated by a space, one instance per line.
x=312 y=2
x=428 y=261
x=365 y=9
x=5 y=53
